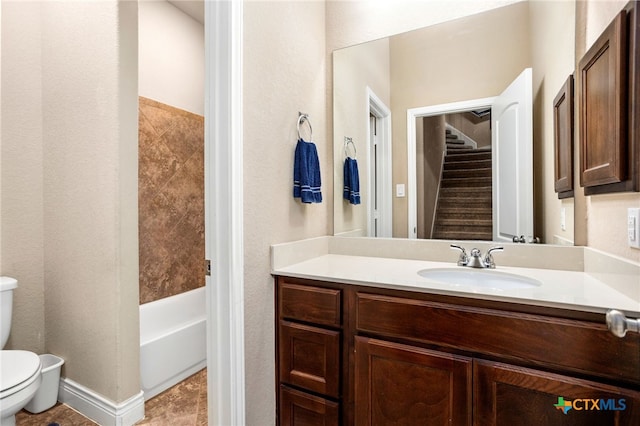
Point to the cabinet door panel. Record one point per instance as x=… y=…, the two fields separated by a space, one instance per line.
x=603 y=107
x=404 y=385
x=563 y=139
x=509 y=395
x=301 y=409
x=310 y=358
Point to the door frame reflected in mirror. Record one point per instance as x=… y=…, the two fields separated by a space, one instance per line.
x=511 y=159
x=412 y=115
x=380 y=212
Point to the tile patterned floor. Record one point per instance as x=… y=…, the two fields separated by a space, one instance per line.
x=60 y=414
x=185 y=404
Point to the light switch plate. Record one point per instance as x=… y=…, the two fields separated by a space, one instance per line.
x=400 y=190
x=633 y=227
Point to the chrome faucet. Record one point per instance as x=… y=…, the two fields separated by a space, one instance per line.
x=475 y=259
x=463 y=259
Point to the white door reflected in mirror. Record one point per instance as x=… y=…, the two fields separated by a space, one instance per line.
x=512 y=158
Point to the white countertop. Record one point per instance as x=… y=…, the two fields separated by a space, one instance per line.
x=559 y=288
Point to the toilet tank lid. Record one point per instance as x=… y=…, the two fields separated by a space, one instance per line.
x=8 y=283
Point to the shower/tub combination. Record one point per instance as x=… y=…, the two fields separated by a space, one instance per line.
x=173 y=343
x=171 y=239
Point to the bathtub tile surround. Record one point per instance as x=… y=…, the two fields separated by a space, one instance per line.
x=171 y=200
x=171 y=238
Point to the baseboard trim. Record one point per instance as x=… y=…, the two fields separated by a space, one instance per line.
x=99 y=409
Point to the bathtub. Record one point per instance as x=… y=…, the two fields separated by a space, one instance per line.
x=172 y=340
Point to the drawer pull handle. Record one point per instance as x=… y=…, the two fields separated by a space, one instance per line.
x=618 y=324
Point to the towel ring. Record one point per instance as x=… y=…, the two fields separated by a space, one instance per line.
x=349 y=141
x=302 y=117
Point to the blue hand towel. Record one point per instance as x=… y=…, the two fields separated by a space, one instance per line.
x=306 y=173
x=351 y=181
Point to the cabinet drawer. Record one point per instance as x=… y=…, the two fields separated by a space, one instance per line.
x=302 y=409
x=310 y=358
x=310 y=304
x=562 y=344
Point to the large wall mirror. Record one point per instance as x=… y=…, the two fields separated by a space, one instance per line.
x=418 y=113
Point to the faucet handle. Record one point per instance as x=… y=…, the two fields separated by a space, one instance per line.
x=488 y=259
x=463 y=259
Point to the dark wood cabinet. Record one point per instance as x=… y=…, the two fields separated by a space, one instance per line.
x=390 y=357
x=603 y=101
x=302 y=409
x=400 y=384
x=510 y=395
x=609 y=123
x=582 y=347
x=309 y=355
x=633 y=16
x=563 y=139
x=310 y=304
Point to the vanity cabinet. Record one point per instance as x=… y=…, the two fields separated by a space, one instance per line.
x=384 y=356
x=300 y=408
x=510 y=395
x=309 y=336
x=401 y=384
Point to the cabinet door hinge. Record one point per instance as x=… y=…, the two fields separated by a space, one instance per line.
x=207 y=267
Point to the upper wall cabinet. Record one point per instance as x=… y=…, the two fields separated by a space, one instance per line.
x=608 y=114
x=603 y=98
x=563 y=139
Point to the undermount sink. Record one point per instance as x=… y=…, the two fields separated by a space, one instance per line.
x=487 y=278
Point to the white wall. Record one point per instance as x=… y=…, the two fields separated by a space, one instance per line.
x=355 y=69
x=171 y=56
x=553 y=60
x=69 y=186
x=0 y=138
x=285 y=65
x=90 y=144
x=353 y=22
x=21 y=159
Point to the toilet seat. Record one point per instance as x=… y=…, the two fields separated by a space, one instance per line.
x=19 y=370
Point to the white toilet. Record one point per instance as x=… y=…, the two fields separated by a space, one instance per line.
x=20 y=375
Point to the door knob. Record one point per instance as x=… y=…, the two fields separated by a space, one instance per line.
x=619 y=324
